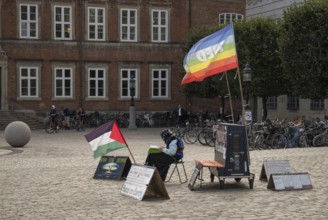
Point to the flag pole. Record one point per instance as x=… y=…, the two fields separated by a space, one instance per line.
x=125 y=142
x=134 y=161
x=231 y=108
x=243 y=115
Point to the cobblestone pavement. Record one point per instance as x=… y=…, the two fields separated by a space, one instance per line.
x=52 y=178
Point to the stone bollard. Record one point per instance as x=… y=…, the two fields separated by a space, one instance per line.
x=17 y=134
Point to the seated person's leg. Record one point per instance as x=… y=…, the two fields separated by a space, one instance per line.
x=161 y=161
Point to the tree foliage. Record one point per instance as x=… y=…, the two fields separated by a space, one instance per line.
x=256 y=43
x=287 y=56
x=304 y=49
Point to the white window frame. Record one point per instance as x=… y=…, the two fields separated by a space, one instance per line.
x=293 y=102
x=62 y=23
x=225 y=18
x=158 y=29
x=317 y=104
x=272 y=102
x=96 y=24
x=97 y=80
x=63 y=78
x=29 y=78
x=159 y=81
x=29 y=22
x=129 y=25
x=125 y=80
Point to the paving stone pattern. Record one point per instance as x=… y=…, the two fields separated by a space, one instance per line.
x=52 y=178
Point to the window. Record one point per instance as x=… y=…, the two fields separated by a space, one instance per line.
x=28 y=21
x=63 y=22
x=128 y=25
x=29 y=82
x=272 y=102
x=229 y=17
x=159 y=26
x=96 y=82
x=126 y=75
x=63 y=82
x=96 y=23
x=160 y=83
x=293 y=102
x=318 y=104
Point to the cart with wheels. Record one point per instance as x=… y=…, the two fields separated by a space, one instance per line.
x=231 y=151
x=231 y=159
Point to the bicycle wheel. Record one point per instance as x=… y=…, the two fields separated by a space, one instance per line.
x=201 y=138
x=302 y=142
x=191 y=136
x=49 y=129
x=209 y=139
x=318 y=141
x=278 y=141
x=259 y=142
x=176 y=131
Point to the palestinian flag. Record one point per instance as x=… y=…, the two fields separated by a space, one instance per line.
x=105 y=138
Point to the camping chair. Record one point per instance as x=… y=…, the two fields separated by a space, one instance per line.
x=176 y=168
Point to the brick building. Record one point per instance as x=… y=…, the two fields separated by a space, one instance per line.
x=83 y=52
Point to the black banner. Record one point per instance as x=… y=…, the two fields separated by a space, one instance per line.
x=111 y=167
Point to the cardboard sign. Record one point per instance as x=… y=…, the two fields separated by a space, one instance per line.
x=195 y=175
x=144 y=181
x=273 y=167
x=292 y=181
x=114 y=168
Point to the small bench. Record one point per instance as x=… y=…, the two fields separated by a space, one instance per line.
x=206 y=163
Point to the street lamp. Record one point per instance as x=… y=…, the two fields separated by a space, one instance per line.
x=132 y=88
x=132 y=109
x=247 y=79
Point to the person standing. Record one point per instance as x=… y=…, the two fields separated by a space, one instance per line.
x=296 y=133
x=81 y=117
x=53 y=116
x=67 y=114
x=181 y=113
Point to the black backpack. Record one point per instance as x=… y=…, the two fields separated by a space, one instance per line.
x=180 y=148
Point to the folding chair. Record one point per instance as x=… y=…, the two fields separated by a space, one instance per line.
x=176 y=168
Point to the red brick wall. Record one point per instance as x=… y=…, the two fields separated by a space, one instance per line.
x=46 y=51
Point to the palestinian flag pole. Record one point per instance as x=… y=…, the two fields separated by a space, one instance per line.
x=106 y=138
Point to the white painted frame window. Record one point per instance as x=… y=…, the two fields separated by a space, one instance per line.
x=129 y=25
x=29 y=82
x=272 y=102
x=126 y=75
x=63 y=83
x=96 y=23
x=225 y=18
x=159 y=28
x=293 y=102
x=317 y=104
x=28 y=21
x=62 y=22
x=159 y=84
x=96 y=82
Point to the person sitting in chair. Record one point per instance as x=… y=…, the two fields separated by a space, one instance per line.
x=164 y=159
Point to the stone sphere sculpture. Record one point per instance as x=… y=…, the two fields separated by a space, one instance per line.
x=17 y=134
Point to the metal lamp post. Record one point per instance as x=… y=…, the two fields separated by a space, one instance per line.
x=132 y=109
x=247 y=79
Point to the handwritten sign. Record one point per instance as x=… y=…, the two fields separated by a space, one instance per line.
x=143 y=180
